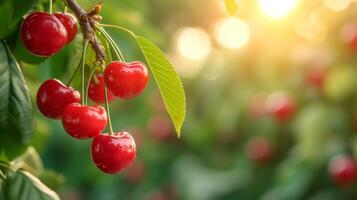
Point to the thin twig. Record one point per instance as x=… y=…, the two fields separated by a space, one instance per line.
x=87 y=23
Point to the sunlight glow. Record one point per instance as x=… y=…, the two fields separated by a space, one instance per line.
x=232 y=32
x=337 y=5
x=277 y=8
x=193 y=43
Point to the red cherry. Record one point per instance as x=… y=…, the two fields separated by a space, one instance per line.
x=112 y=153
x=135 y=172
x=53 y=97
x=70 y=23
x=343 y=169
x=316 y=77
x=349 y=35
x=160 y=127
x=83 y=122
x=126 y=80
x=43 y=34
x=259 y=150
x=96 y=90
x=281 y=106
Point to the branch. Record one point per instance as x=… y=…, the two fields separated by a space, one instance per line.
x=87 y=22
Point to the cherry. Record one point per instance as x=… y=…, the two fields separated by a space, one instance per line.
x=96 y=90
x=43 y=34
x=281 y=106
x=112 y=153
x=349 y=35
x=343 y=169
x=259 y=150
x=70 y=23
x=316 y=77
x=135 y=172
x=159 y=127
x=53 y=97
x=126 y=80
x=83 y=122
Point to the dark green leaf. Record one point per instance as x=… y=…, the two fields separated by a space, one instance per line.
x=22 y=185
x=15 y=107
x=11 y=14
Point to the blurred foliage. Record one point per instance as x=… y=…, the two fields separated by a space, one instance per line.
x=226 y=100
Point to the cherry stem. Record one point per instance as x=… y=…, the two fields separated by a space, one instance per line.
x=50 y=6
x=112 y=43
x=109 y=52
x=85 y=47
x=107 y=106
x=88 y=83
x=65 y=9
x=74 y=73
x=87 y=23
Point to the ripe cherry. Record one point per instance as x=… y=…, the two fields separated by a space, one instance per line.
x=259 y=150
x=316 y=77
x=43 y=34
x=349 y=35
x=343 y=169
x=83 y=122
x=70 y=23
x=96 y=90
x=281 y=106
x=112 y=153
x=135 y=172
x=126 y=80
x=160 y=127
x=53 y=97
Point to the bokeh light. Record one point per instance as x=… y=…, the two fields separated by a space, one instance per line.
x=277 y=8
x=232 y=32
x=193 y=43
x=337 y=5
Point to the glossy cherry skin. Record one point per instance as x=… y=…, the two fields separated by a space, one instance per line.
x=281 y=106
x=70 y=23
x=53 y=97
x=126 y=80
x=343 y=169
x=83 y=122
x=43 y=34
x=96 y=90
x=113 y=153
x=316 y=77
x=259 y=150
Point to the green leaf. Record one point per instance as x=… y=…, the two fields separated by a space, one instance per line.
x=11 y=13
x=29 y=161
x=232 y=6
x=21 y=185
x=15 y=107
x=168 y=81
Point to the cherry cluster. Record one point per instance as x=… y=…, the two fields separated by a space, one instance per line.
x=45 y=34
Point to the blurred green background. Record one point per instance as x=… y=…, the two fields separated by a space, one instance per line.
x=236 y=71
